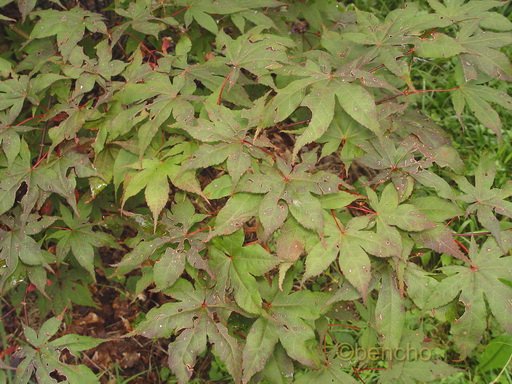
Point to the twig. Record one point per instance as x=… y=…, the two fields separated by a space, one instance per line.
x=471 y=234
x=408 y=92
x=355 y=328
x=43 y=137
x=223 y=85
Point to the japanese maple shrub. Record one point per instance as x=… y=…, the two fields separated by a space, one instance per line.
x=263 y=165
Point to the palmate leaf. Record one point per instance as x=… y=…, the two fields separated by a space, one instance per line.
x=13 y=93
x=213 y=75
x=391 y=216
x=458 y=10
x=279 y=368
x=478 y=98
x=41 y=357
x=176 y=243
x=390 y=36
x=248 y=59
x=351 y=244
x=440 y=238
x=225 y=136
x=70 y=288
x=57 y=175
x=226 y=7
x=141 y=19
x=346 y=133
x=294 y=185
x=201 y=94
x=389 y=212
x=20 y=252
x=482 y=48
x=393 y=161
x=288 y=317
x=410 y=365
x=235 y=266
x=69 y=27
x=167 y=102
x=320 y=91
x=420 y=284
x=194 y=318
x=427 y=140
x=79 y=238
x=116 y=122
x=477 y=284
x=178 y=223
x=255 y=52
x=201 y=12
x=332 y=373
x=153 y=176
x=141 y=252
x=421 y=144
x=486 y=200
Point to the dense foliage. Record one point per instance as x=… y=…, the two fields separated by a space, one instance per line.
x=263 y=169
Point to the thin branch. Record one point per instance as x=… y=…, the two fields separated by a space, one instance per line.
x=408 y=92
x=223 y=86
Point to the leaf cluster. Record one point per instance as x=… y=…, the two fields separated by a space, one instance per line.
x=262 y=165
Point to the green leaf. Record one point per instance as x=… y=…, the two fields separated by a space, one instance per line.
x=495 y=21
x=157 y=194
x=478 y=99
x=337 y=200
x=204 y=20
x=296 y=186
x=80 y=239
x=294 y=314
x=240 y=208
x=438 y=46
x=67 y=26
x=219 y=188
x=496 y=354
x=436 y=209
x=403 y=216
x=84 y=252
x=440 y=239
x=169 y=268
x=183 y=352
x=359 y=104
x=140 y=253
x=389 y=312
x=259 y=346
x=352 y=245
x=193 y=315
x=153 y=177
x=321 y=104
x=486 y=200
x=420 y=284
x=307 y=210
x=417 y=371
x=25 y=7
x=69 y=127
x=481 y=279
x=236 y=266
x=330 y=374
x=13 y=93
x=76 y=343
